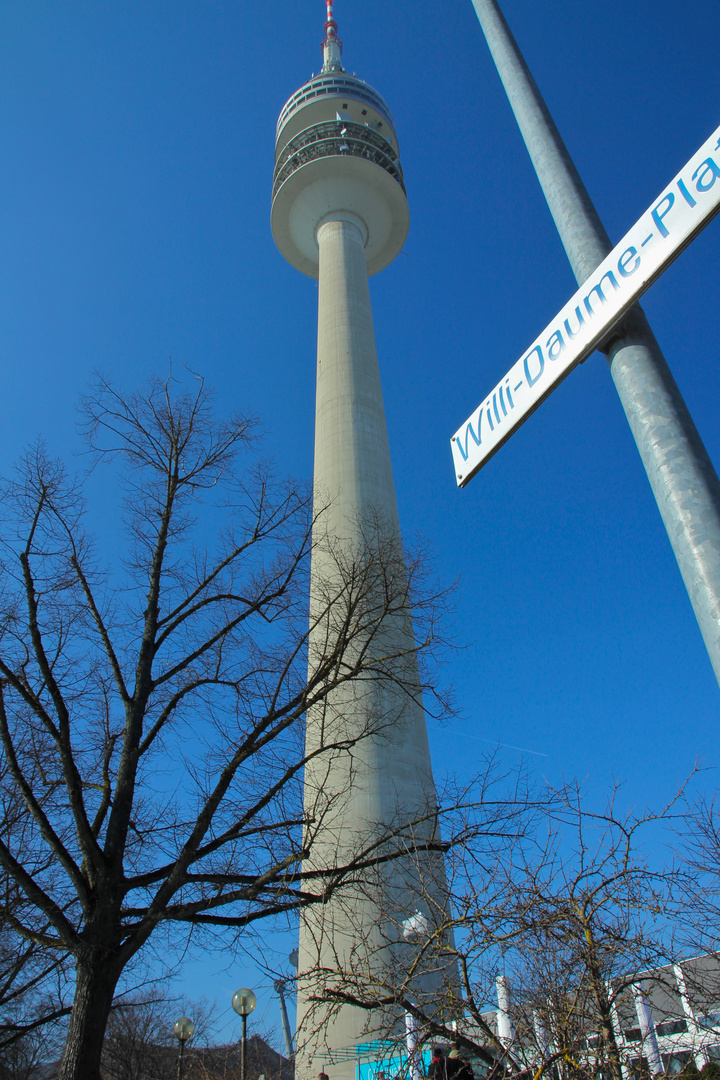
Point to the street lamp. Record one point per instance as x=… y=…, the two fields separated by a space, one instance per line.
x=182 y=1031
x=280 y=985
x=279 y=988
x=415 y=928
x=243 y=1002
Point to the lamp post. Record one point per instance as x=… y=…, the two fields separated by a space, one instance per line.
x=280 y=985
x=182 y=1031
x=279 y=988
x=681 y=475
x=243 y=1002
x=415 y=928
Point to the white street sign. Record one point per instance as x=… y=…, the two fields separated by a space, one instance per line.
x=676 y=217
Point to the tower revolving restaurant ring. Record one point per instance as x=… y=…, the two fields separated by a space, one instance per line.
x=336 y=151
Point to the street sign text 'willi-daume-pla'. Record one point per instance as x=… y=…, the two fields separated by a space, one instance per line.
x=658 y=237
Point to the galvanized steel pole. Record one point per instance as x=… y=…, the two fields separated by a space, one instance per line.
x=682 y=477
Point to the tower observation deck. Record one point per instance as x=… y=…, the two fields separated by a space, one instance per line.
x=339 y=214
x=336 y=150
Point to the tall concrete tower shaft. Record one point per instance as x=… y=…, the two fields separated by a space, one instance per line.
x=339 y=214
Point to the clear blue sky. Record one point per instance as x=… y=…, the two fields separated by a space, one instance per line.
x=134 y=227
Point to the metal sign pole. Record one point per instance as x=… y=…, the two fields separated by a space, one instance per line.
x=682 y=477
x=599 y=306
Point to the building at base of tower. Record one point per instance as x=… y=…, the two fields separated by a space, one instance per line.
x=340 y=214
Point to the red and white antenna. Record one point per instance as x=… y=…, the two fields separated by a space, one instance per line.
x=331 y=46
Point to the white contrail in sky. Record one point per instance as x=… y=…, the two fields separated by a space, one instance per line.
x=504 y=745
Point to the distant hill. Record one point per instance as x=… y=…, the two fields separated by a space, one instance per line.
x=224 y=1061
x=201 y=1063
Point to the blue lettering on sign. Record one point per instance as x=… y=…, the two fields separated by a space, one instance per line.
x=581 y=322
x=629 y=256
x=470 y=433
x=658 y=215
x=709 y=168
x=499 y=405
x=686 y=194
x=599 y=290
x=704 y=177
x=555 y=345
x=532 y=379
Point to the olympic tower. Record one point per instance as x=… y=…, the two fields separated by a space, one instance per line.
x=340 y=214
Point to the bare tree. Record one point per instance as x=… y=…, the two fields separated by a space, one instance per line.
x=26 y=1056
x=699 y=852
x=139 y=1039
x=32 y=974
x=445 y=950
x=152 y=714
x=139 y=1042
x=564 y=905
x=593 y=922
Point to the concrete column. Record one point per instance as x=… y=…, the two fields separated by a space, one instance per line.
x=382 y=775
x=619 y=1036
x=411 y=1041
x=647 y=1030
x=683 y=479
x=505 y=1029
x=694 y=1029
x=541 y=1036
x=352 y=452
x=354 y=497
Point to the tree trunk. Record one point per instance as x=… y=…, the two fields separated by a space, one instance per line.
x=94 y=990
x=602 y=1002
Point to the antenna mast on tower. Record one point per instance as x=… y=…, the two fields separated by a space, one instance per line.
x=332 y=45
